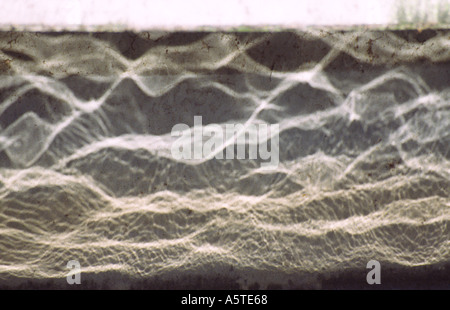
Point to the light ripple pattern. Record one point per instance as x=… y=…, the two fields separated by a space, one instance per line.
x=86 y=170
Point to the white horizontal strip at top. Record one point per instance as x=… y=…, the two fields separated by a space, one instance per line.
x=194 y=14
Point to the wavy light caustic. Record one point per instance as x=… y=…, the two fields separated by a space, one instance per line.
x=87 y=173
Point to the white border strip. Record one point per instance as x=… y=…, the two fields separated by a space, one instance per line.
x=194 y=14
